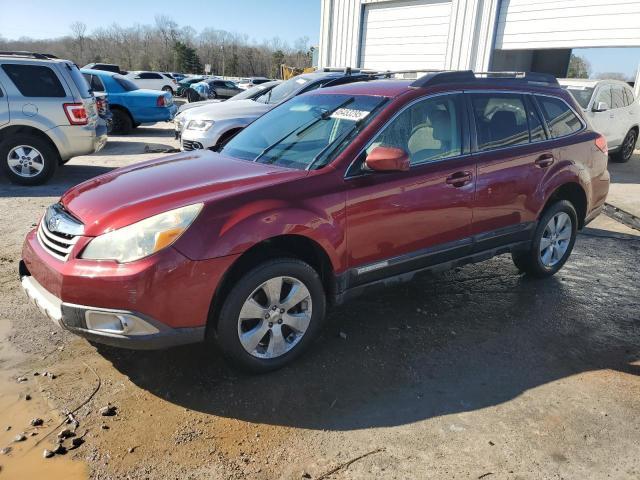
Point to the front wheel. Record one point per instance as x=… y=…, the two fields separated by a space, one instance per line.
x=271 y=315
x=28 y=160
x=552 y=242
x=628 y=146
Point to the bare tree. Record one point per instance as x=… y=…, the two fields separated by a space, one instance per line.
x=79 y=30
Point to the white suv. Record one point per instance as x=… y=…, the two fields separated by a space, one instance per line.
x=612 y=110
x=153 y=81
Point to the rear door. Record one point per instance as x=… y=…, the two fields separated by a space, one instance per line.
x=513 y=156
x=402 y=221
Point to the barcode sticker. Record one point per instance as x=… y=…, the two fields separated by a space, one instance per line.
x=350 y=114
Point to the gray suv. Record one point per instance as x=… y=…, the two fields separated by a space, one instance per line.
x=48 y=115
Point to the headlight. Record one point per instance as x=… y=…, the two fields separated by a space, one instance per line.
x=143 y=238
x=202 y=125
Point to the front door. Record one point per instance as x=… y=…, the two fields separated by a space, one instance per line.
x=603 y=116
x=402 y=221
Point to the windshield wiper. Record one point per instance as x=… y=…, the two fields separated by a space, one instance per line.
x=300 y=130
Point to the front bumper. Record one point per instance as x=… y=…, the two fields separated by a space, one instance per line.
x=198 y=140
x=164 y=299
x=119 y=328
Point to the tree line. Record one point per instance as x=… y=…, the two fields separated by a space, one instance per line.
x=167 y=46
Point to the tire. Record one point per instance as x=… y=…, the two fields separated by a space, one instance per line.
x=42 y=159
x=532 y=261
x=192 y=96
x=167 y=88
x=122 y=123
x=213 y=95
x=626 y=149
x=270 y=343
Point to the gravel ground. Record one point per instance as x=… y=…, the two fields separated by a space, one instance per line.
x=474 y=373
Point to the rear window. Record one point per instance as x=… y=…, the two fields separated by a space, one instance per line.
x=94 y=82
x=125 y=83
x=79 y=80
x=560 y=118
x=35 y=80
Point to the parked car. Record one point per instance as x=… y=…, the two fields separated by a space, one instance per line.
x=252 y=82
x=107 y=67
x=612 y=109
x=178 y=76
x=130 y=105
x=184 y=84
x=211 y=126
x=154 y=81
x=104 y=112
x=250 y=93
x=328 y=195
x=47 y=116
x=217 y=89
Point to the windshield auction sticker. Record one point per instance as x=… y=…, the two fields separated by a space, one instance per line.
x=350 y=114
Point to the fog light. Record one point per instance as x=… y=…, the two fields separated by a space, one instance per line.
x=117 y=323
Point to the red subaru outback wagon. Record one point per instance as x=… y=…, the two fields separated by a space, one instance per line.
x=331 y=193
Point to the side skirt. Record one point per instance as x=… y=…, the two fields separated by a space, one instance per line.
x=363 y=279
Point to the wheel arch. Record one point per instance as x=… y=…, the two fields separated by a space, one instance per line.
x=573 y=192
x=226 y=136
x=296 y=246
x=27 y=130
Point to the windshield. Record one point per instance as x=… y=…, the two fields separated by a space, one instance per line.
x=283 y=91
x=581 y=94
x=305 y=132
x=125 y=83
x=249 y=93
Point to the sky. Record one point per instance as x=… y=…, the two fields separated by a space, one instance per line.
x=260 y=19
x=624 y=60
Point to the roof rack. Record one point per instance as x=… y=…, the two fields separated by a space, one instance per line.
x=40 y=56
x=462 y=76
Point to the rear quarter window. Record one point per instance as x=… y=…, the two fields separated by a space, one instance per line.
x=561 y=120
x=35 y=80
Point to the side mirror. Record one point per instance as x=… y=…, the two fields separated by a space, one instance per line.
x=388 y=159
x=600 y=107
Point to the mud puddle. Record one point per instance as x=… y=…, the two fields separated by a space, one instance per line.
x=23 y=460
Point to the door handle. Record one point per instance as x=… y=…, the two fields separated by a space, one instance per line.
x=459 y=179
x=544 y=160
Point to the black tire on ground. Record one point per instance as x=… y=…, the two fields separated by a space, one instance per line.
x=213 y=95
x=167 y=88
x=626 y=149
x=48 y=158
x=192 y=95
x=122 y=123
x=530 y=261
x=226 y=334
x=136 y=124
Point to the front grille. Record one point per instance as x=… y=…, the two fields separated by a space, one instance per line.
x=191 y=145
x=57 y=244
x=58 y=232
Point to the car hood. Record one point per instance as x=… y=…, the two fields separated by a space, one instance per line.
x=127 y=195
x=229 y=110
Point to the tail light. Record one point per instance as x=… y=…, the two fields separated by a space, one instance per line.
x=161 y=101
x=601 y=143
x=76 y=113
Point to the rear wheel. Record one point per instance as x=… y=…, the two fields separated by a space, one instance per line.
x=167 y=89
x=552 y=242
x=628 y=146
x=122 y=122
x=271 y=315
x=28 y=160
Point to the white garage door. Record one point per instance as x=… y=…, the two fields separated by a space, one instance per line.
x=405 y=35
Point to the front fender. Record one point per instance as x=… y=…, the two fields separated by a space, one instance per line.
x=214 y=236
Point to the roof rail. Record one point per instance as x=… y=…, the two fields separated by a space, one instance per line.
x=447 y=76
x=41 y=56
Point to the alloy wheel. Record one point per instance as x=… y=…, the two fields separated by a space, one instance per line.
x=555 y=240
x=25 y=161
x=629 y=144
x=275 y=317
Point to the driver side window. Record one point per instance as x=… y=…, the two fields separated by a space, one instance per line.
x=428 y=131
